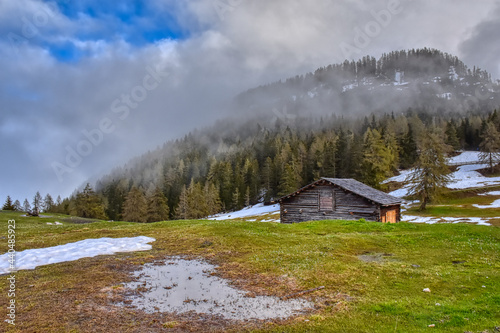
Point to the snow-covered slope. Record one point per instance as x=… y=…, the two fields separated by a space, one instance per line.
x=465 y=177
x=251 y=211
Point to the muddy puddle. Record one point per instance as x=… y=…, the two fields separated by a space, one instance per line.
x=181 y=286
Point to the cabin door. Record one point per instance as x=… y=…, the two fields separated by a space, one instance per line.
x=389 y=216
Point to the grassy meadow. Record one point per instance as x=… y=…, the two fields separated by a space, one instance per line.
x=459 y=263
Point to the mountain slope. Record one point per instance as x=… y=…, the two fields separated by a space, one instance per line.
x=274 y=151
x=398 y=80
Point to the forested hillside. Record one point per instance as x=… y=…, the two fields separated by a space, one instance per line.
x=284 y=146
x=422 y=78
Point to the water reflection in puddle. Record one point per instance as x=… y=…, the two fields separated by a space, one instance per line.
x=187 y=285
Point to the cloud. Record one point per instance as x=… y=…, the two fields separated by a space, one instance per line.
x=63 y=81
x=482 y=47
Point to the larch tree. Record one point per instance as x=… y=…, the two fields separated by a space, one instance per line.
x=182 y=210
x=17 y=206
x=26 y=206
x=135 y=206
x=37 y=203
x=157 y=206
x=212 y=198
x=48 y=203
x=378 y=159
x=490 y=146
x=428 y=181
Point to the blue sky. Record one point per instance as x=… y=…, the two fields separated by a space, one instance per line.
x=135 y=22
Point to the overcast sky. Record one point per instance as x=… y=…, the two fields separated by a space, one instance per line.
x=87 y=84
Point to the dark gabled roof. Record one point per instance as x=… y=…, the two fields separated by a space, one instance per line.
x=355 y=187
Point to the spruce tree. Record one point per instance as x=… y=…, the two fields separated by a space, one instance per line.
x=428 y=181
x=135 y=206
x=88 y=204
x=408 y=152
x=8 y=205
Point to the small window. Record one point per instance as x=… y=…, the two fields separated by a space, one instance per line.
x=326 y=201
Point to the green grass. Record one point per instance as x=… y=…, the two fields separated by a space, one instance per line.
x=277 y=259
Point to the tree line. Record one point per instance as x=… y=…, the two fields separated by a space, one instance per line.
x=228 y=167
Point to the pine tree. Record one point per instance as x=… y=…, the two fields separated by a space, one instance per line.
x=490 y=146
x=8 y=204
x=429 y=180
x=135 y=206
x=157 y=207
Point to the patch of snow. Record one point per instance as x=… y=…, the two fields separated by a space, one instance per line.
x=30 y=259
x=465 y=157
x=495 y=204
x=434 y=220
x=491 y=193
x=312 y=94
x=349 y=87
x=256 y=210
x=401 y=177
x=453 y=73
x=419 y=219
x=467 y=177
x=444 y=96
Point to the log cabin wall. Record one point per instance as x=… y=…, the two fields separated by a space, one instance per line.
x=324 y=202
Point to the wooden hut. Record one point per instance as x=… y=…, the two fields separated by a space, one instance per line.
x=346 y=199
